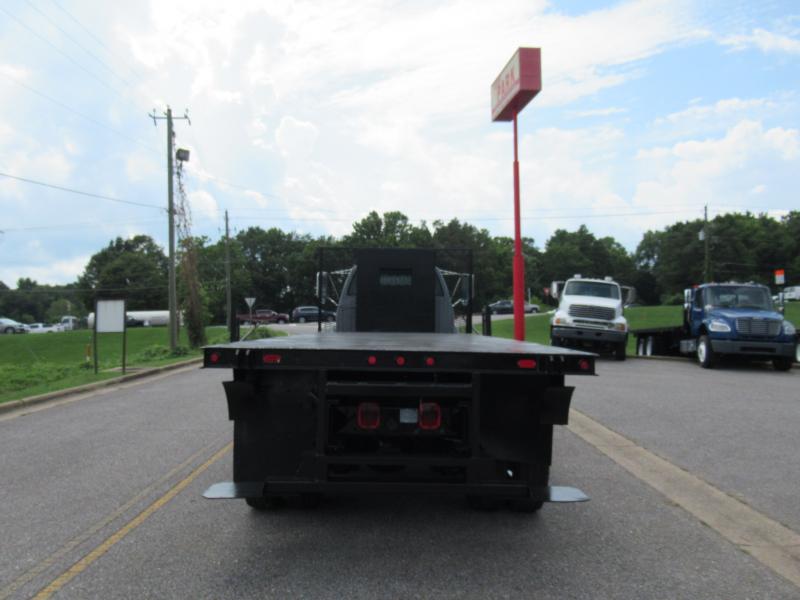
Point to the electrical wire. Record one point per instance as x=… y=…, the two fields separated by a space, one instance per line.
x=82 y=193
x=79 y=45
x=64 y=54
x=97 y=39
x=81 y=115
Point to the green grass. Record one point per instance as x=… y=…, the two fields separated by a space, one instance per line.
x=33 y=364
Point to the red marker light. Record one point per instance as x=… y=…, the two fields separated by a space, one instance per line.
x=368 y=415
x=400 y=361
x=371 y=360
x=526 y=363
x=430 y=361
x=271 y=359
x=430 y=415
x=584 y=364
x=214 y=357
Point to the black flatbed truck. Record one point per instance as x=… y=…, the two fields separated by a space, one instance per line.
x=398 y=412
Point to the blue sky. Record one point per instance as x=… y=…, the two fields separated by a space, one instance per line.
x=307 y=115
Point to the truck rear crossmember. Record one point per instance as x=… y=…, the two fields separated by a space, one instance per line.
x=365 y=412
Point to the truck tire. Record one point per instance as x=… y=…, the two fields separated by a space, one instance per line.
x=783 y=363
x=705 y=354
x=620 y=350
x=9 y=330
x=281 y=321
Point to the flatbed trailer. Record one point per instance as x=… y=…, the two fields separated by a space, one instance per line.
x=351 y=413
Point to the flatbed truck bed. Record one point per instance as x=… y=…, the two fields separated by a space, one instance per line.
x=342 y=413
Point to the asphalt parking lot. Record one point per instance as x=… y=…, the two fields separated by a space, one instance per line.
x=102 y=497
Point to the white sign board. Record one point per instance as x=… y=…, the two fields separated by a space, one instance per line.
x=250 y=302
x=780 y=277
x=110 y=316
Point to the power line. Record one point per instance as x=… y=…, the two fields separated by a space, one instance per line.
x=79 y=45
x=82 y=193
x=64 y=54
x=80 y=114
x=96 y=39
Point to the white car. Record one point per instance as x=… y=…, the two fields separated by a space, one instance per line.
x=12 y=326
x=44 y=328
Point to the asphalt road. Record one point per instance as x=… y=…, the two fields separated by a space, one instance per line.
x=102 y=498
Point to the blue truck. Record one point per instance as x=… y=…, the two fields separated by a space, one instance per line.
x=725 y=319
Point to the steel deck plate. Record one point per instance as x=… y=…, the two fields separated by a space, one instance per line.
x=400 y=342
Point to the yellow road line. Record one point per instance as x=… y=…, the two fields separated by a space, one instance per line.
x=105 y=546
x=768 y=541
x=76 y=541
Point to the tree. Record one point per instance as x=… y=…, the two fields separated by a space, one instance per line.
x=135 y=269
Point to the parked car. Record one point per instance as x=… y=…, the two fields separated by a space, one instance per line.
x=44 y=328
x=506 y=307
x=303 y=314
x=263 y=315
x=12 y=326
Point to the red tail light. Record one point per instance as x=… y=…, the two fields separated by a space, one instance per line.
x=400 y=361
x=584 y=364
x=214 y=357
x=526 y=363
x=430 y=361
x=369 y=415
x=430 y=415
x=371 y=360
x=271 y=359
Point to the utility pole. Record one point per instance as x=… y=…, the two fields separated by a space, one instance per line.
x=707 y=262
x=228 y=303
x=172 y=289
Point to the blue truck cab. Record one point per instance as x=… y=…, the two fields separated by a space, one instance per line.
x=736 y=319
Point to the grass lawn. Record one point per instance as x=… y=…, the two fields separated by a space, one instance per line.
x=32 y=364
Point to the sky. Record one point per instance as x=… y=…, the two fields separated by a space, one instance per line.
x=307 y=115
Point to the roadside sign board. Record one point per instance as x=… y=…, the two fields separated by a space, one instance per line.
x=518 y=82
x=110 y=316
x=250 y=301
x=780 y=277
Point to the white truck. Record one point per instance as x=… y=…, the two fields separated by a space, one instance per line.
x=590 y=314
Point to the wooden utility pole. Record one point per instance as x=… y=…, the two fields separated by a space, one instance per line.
x=172 y=291
x=707 y=261
x=228 y=302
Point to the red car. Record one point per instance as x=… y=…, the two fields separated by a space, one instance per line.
x=264 y=315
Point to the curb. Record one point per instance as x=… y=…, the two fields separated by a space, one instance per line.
x=89 y=387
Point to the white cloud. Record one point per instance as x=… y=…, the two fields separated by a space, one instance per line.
x=296 y=138
x=140 y=167
x=598 y=112
x=46 y=270
x=203 y=204
x=766 y=41
x=724 y=171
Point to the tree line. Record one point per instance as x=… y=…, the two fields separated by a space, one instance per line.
x=278 y=267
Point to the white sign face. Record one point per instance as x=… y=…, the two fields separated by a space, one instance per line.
x=110 y=317
x=250 y=302
x=780 y=277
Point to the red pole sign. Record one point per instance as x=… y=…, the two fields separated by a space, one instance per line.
x=518 y=83
x=780 y=277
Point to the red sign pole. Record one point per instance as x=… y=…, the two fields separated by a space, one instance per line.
x=519 y=262
x=518 y=83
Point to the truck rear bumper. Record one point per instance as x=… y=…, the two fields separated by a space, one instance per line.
x=754 y=348
x=602 y=336
x=255 y=489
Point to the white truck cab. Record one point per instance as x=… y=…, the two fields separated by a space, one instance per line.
x=590 y=314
